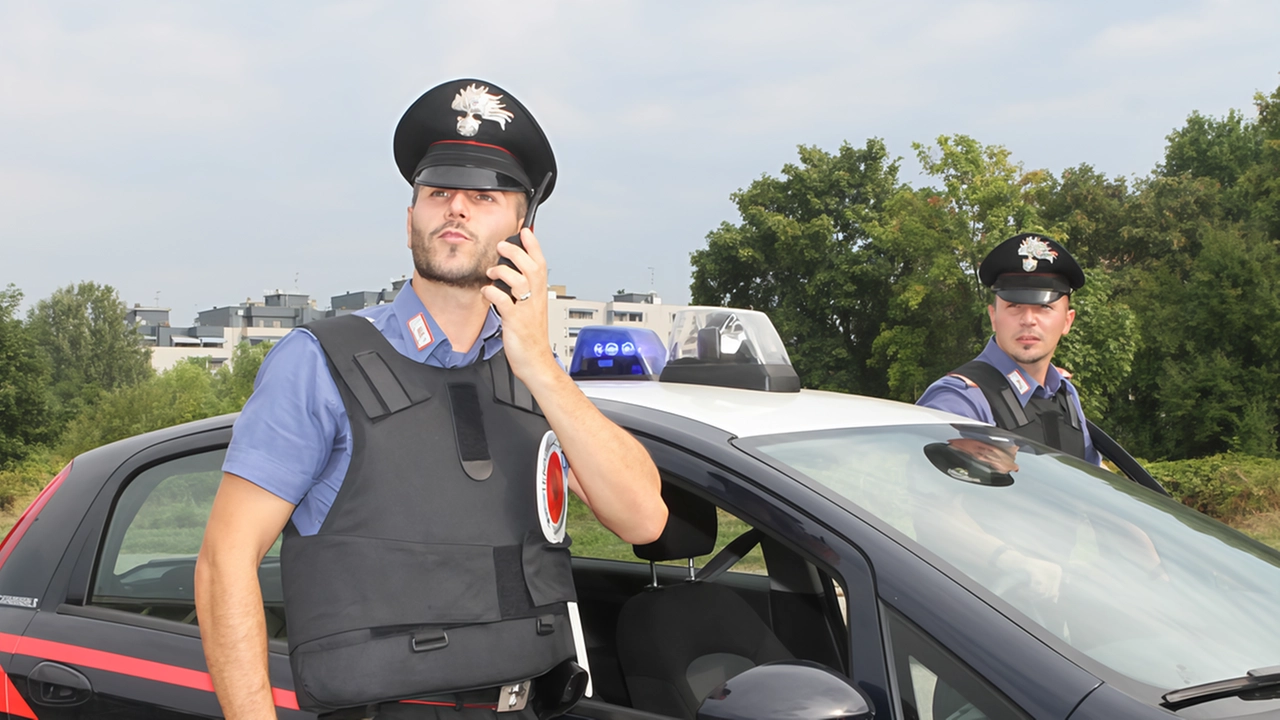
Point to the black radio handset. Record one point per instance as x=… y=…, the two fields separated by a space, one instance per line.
x=528 y=223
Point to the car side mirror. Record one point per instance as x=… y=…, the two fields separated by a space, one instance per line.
x=787 y=689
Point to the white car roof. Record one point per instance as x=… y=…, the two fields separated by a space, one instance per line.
x=748 y=413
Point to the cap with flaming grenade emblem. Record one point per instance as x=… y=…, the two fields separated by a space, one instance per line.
x=1030 y=269
x=472 y=135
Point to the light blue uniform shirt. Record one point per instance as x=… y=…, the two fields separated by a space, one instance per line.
x=954 y=395
x=293 y=438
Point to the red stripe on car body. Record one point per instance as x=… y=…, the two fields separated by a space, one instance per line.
x=125 y=665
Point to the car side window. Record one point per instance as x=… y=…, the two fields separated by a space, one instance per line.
x=934 y=684
x=147 y=560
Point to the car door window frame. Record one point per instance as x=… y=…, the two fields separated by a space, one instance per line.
x=983 y=691
x=117 y=528
x=732 y=480
x=72 y=583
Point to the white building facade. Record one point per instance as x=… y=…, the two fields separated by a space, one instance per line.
x=566 y=316
x=218 y=331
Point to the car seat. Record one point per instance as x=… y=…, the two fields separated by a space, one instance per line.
x=677 y=643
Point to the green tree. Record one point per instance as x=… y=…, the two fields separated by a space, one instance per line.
x=233 y=382
x=932 y=320
x=1261 y=182
x=24 y=378
x=930 y=244
x=1219 y=149
x=1100 y=348
x=801 y=255
x=1207 y=374
x=82 y=330
x=1196 y=259
x=180 y=394
x=988 y=197
x=1090 y=211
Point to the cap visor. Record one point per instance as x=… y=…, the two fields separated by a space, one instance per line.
x=467 y=178
x=1028 y=296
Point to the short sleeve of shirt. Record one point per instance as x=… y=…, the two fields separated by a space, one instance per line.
x=951 y=394
x=288 y=431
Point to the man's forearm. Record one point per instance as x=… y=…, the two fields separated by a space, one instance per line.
x=234 y=633
x=615 y=472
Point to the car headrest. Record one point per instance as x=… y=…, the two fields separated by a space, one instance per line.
x=690 y=530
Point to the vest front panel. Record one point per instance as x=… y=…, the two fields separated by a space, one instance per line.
x=431 y=572
x=1050 y=421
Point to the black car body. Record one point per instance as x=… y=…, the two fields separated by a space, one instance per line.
x=97 y=616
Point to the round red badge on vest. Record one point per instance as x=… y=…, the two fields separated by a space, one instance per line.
x=553 y=488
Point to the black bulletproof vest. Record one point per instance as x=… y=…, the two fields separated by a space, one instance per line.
x=430 y=573
x=1052 y=421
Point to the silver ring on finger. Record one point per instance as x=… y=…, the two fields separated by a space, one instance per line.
x=524 y=297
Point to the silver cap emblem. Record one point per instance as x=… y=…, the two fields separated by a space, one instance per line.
x=1033 y=250
x=476 y=100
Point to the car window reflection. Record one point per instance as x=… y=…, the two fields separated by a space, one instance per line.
x=1134 y=580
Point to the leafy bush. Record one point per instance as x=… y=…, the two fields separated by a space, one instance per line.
x=181 y=394
x=22 y=480
x=185 y=392
x=1230 y=487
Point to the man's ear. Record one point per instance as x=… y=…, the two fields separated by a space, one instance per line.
x=991 y=315
x=408 y=228
x=1071 y=317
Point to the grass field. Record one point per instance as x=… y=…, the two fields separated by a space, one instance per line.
x=9 y=515
x=1264 y=527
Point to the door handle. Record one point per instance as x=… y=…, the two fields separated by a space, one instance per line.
x=50 y=683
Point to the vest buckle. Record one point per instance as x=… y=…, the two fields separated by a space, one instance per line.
x=546 y=624
x=428 y=640
x=512 y=698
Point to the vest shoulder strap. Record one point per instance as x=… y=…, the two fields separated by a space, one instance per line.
x=1005 y=408
x=1071 y=406
x=509 y=389
x=358 y=354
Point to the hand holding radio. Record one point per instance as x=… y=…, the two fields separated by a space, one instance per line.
x=515 y=239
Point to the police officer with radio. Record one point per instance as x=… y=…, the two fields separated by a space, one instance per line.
x=415 y=456
x=1013 y=382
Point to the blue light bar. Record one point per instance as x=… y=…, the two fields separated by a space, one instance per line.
x=608 y=352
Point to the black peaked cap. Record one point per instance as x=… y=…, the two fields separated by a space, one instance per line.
x=1031 y=268
x=472 y=134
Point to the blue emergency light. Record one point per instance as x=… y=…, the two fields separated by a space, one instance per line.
x=607 y=352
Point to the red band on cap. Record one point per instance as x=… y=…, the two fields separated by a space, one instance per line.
x=469 y=142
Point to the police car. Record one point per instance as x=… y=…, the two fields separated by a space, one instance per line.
x=886 y=561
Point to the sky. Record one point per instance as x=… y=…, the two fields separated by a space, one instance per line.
x=200 y=154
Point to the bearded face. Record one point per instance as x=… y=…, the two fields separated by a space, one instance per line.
x=456 y=265
x=454 y=234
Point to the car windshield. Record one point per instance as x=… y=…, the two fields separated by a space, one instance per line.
x=1132 y=579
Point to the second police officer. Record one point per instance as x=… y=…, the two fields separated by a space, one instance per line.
x=409 y=453
x=1013 y=382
